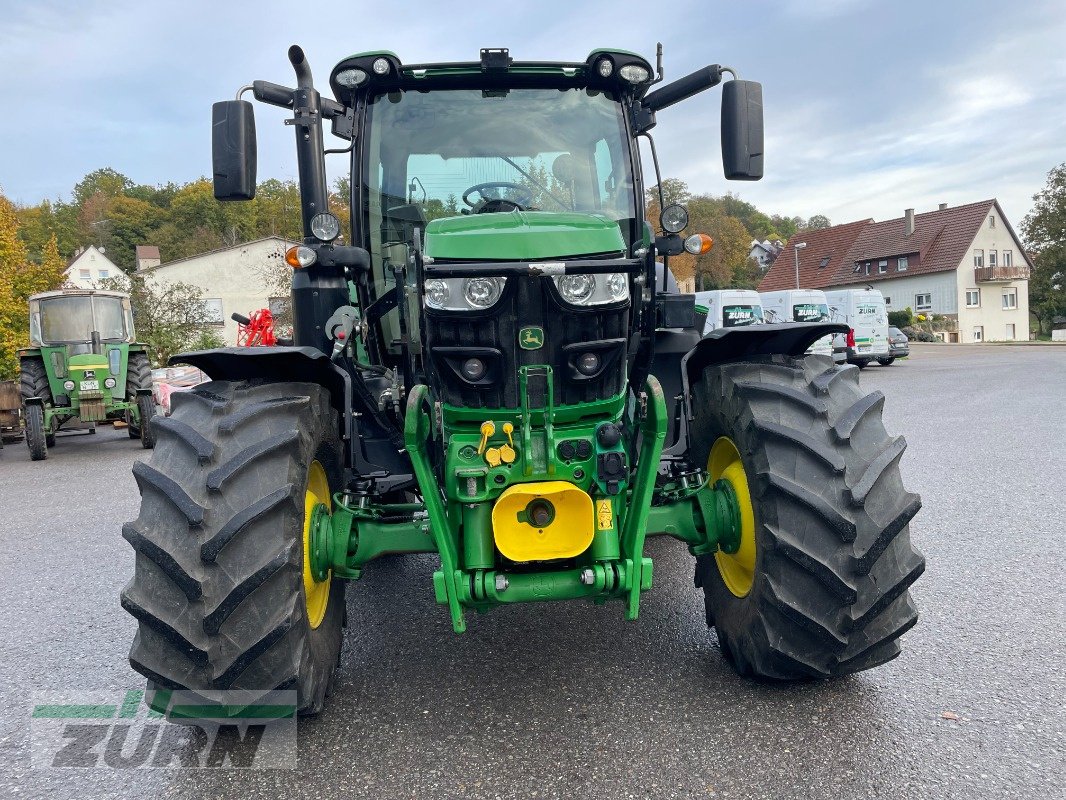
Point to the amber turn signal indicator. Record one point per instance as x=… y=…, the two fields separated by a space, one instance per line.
x=698 y=244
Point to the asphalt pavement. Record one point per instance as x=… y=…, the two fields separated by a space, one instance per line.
x=570 y=700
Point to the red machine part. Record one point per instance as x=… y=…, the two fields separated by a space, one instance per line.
x=256 y=330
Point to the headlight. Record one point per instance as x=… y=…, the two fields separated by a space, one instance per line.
x=109 y=383
x=593 y=290
x=674 y=219
x=634 y=73
x=325 y=226
x=350 y=78
x=577 y=289
x=380 y=66
x=68 y=385
x=462 y=294
x=482 y=292
x=605 y=67
x=437 y=294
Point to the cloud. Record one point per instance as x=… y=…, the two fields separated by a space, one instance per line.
x=871 y=108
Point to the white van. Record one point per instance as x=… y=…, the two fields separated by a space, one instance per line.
x=730 y=308
x=863 y=310
x=799 y=305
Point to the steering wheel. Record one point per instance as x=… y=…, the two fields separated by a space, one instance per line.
x=523 y=199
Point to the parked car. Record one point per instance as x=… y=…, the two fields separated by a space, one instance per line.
x=898 y=346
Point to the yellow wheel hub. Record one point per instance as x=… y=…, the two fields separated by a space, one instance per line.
x=737 y=569
x=316 y=593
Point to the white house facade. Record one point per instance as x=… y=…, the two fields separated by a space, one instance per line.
x=89 y=267
x=232 y=279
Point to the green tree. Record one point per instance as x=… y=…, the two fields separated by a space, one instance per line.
x=817 y=222
x=675 y=191
x=170 y=318
x=130 y=222
x=105 y=181
x=1044 y=230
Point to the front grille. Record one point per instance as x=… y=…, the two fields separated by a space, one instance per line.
x=493 y=336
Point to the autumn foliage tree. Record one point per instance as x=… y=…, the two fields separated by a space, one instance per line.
x=19 y=278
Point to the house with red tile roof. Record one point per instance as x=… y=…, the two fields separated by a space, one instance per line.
x=965 y=263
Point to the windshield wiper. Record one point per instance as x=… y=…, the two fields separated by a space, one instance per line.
x=541 y=185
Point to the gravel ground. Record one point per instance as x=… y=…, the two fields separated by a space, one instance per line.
x=570 y=700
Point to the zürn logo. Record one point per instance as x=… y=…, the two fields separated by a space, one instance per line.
x=531 y=338
x=250 y=730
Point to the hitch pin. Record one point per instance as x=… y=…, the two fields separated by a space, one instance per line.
x=488 y=428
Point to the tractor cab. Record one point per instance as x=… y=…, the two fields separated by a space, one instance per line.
x=78 y=318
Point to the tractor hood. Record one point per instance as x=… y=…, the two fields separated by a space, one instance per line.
x=522 y=236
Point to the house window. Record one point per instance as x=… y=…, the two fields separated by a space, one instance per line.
x=1010 y=331
x=824 y=262
x=867 y=267
x=1010 y=299
x=105 y=274
x=858 y=267
x=992 y=258
x=992 y=222
x=882 y=266
x=924 y=301
x=85 y=275
x=978 y=258
x=978 y=333
x=901 y=264
x=213 y=312
x=1008 y=258
x=973 y=298
x=888 y=301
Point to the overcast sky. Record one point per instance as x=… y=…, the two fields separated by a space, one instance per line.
x=872 y=106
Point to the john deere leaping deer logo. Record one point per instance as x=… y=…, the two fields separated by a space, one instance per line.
x=531 y=338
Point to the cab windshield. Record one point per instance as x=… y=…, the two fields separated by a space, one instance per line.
x=526 y=149
x=74 y=318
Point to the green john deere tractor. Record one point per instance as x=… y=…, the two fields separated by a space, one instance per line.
x=496 y=368
x=83 y=365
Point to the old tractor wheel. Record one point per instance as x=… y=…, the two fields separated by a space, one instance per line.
x=33 y=382
x=146 y=407
x=35 y=436
x=138 y=376
x=222 y=589
x=819 y=585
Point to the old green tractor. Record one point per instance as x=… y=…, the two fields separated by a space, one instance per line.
x=496 y=368
x=83 y=365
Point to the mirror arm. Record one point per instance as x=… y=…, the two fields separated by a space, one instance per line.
x=685 y=87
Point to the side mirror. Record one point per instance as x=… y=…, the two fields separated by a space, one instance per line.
x=233 y=153
x=742 y=130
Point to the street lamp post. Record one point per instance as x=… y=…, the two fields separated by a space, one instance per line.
x=796 y=253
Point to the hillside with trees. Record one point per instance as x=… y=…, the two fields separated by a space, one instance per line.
x=109 y=210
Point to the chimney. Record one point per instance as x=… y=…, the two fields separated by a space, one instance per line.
x=908 y=221
x=942 y=206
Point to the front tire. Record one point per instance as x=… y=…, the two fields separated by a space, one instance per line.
x=820 y=584
x=884 y=362
x=138 y=376
x=220 y=588
x=35 y=435
x=146 y=407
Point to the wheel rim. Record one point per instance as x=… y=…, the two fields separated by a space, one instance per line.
x=737 y=569
x=316 y=593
